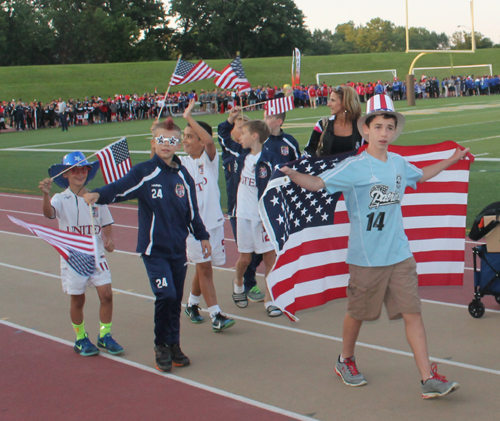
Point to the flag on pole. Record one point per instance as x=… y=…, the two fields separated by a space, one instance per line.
x=310 y=230
x=233 y=77
x=77 y=249
x=115 y=161
x=279 y=105
x=293 y=68
x=296 y=79
x=189 y=72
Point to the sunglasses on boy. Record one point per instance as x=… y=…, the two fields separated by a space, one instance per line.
x=172 y=141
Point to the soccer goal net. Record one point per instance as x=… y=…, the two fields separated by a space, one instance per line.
x=338 y=78
x=448 y=71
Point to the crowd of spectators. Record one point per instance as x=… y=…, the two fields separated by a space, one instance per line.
x=21 y=115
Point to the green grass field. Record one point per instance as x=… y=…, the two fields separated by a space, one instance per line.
x=45 y=83
x=473 y=122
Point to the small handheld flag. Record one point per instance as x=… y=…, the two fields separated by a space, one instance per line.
x=115 y=161
x=233 y=77
x=279 y=105
x=189 y=72
x=77 y=249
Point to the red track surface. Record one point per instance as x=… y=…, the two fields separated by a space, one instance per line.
x=44 y=381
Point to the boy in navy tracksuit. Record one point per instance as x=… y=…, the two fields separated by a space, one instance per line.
x=168 y=211
x=283 y=145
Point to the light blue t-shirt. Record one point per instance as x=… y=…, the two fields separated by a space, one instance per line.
x=373 y=191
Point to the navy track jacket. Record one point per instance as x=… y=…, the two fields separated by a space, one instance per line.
x=168 y=209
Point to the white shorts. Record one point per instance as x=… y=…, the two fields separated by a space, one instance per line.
x=252 y=237
x=75 y=284
x=195 y=253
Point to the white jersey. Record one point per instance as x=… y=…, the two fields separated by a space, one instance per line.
x=74 y=216
x=248 y=195
x=205 y=174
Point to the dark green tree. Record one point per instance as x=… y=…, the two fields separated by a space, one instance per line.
x=462 y=40
x=220 y=28
x=25 y=34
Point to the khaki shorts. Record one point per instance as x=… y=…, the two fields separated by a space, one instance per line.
x=395 y=285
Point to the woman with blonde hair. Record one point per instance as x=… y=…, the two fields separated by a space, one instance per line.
x=339 y=132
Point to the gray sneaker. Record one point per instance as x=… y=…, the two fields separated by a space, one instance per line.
x=349 y=373
x=437 y=385
x=255 y=295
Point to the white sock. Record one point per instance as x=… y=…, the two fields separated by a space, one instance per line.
x=214 y=310
x=268 y=304
x=341 y=359
x=193 y=299
x=239 y=289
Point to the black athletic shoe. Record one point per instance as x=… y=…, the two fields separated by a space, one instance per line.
x=178 y=357
x=221 y=322
x=163 y=358
x=194 y=313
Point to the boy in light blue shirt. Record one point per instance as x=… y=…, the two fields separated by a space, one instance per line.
x=381 y=266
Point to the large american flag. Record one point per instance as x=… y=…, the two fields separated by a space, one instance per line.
x=310 y=230
x=189 y=72
x=233 y=77
x=115 y=161
x=77 y=249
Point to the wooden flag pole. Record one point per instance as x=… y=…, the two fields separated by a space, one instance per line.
x=73 y=166
x=168 y=89
x=94 y=239
x=253 y=105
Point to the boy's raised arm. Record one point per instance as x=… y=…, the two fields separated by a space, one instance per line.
x=307 y=181
x=204 y=136
x=433 y=170
x=45 y=186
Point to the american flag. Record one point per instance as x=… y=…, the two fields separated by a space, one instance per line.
x=115 y=161
x=77 y=249
x=233 y=76
x=188 y=72
x=310 y=230
x=279 y=105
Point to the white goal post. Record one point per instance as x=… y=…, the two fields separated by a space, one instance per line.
x=393 y=71
x=489 y=66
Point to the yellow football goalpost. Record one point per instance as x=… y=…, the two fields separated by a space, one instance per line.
x=410 y=78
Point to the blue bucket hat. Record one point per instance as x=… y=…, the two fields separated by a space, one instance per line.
x=68 y=161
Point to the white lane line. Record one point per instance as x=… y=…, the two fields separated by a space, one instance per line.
x=170 y=376
x=450 y=127
x=72 y=142
x=305 y=332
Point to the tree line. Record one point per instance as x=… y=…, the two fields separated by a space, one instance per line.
x=37 y=32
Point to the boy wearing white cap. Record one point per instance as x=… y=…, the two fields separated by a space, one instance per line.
x=381 y=266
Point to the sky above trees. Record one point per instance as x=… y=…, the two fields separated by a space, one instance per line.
x=438 y=16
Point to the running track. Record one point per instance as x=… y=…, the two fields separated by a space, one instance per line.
x=41 y=377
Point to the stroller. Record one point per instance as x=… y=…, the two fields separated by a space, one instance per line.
x=487 y=276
